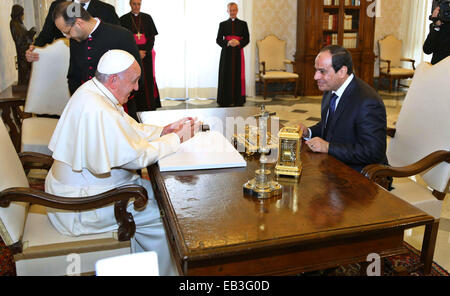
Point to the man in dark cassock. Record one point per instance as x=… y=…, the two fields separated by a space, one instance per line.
x=22 y=38
x=144 y=31
x=90 y=39
x=96 y=8
x=233 y=36
x=104 y=11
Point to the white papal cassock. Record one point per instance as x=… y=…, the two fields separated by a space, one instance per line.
x=98 y=147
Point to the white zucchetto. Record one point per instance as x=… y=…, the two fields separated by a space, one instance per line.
x=115 y=61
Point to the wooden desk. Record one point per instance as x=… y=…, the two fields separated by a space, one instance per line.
x=14 y=92
x=332 y=216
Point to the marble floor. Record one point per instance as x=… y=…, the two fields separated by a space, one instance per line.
x=307 y=110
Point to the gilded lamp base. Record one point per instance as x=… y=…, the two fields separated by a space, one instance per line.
x=261 y=186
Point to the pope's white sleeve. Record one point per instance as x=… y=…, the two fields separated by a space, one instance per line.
x=154 y=150
x=147 y=131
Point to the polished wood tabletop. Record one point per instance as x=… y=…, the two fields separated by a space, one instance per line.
x=332 y=215
x=13 y=93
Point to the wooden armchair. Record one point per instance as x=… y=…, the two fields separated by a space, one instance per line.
x=32 y=128
x=24 y=227
x=390 y=60
x=272 y=58
x=421 y=146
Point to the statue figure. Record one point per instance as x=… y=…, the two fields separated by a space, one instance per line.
x=22 y=38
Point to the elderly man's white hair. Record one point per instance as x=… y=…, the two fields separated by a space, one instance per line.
x=114 y=61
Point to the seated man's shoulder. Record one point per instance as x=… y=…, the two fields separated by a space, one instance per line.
x=89 y=98
x=367 y=91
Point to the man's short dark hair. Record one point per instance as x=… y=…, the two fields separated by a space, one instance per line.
x=340 y=57
x=69 y=11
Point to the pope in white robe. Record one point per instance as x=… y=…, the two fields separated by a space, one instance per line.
x=97 y=147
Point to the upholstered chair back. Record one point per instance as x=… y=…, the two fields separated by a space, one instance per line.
x=423 y=124
x=272 y=51
x=48 y=91
x=12 y=218
x=391 y=49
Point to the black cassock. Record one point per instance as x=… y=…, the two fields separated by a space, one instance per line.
x=144 y=25
x=104 y=11
x=85 y=55
x=231 y=87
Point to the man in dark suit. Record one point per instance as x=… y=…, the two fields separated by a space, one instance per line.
x=438 y=40
x=353 y=119
x=104 y=11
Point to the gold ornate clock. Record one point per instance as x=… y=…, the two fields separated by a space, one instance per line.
x=289 y=162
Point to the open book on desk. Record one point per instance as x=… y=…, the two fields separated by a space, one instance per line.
x=206 y=150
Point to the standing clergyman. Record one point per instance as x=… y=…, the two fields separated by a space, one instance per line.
x=144 y=31
x=233 y=36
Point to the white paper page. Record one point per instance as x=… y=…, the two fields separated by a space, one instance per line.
x=206 y=150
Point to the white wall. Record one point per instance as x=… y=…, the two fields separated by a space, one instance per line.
x=8 y=72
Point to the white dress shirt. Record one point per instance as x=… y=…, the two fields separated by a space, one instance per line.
x=339 y=92
x=86 y=5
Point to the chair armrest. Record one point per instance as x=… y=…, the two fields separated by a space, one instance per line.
x=389 y=64
x=263 y=63
x=119 y=196
x=409 y=60
x=376 y=171
x=34 y=160
x=288 y=61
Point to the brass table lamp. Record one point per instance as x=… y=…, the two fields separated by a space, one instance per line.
x=262 y=186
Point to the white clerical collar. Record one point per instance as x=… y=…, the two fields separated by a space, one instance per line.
x=108 y=95
x=96 y=26
x=233 y=19
x=135 y=14
x=86 y=5
x=341 y=90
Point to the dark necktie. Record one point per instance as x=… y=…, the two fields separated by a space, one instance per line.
x=331 y=110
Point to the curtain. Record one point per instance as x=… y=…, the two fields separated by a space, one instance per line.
x=415 y=29
x=187 y=56
x=8 y=72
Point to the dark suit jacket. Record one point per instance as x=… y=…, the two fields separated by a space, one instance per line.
x=96 y=8
x=357 y=131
